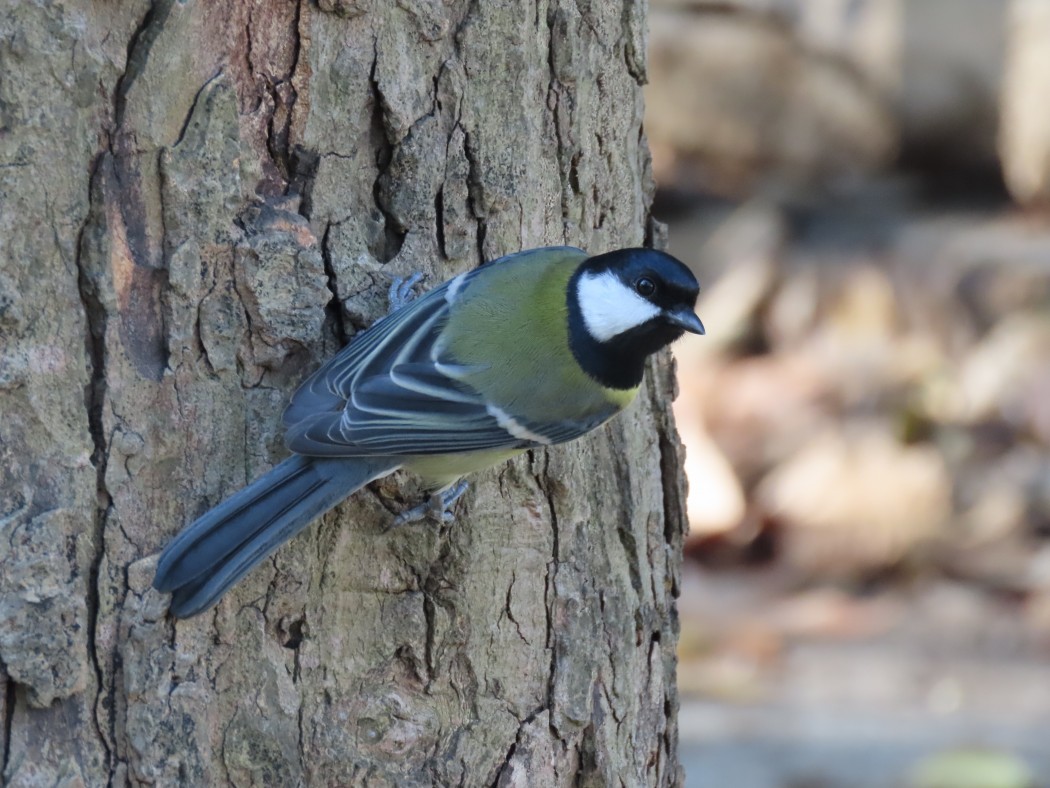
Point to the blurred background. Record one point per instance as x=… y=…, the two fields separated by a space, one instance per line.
x=863 y=187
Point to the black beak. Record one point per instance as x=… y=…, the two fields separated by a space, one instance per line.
x=685 y=319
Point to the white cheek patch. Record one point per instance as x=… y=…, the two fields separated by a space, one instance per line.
x=609 y=307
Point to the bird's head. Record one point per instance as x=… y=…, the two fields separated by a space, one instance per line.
x=626 y=305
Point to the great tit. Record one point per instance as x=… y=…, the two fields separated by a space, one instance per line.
x=532 y=349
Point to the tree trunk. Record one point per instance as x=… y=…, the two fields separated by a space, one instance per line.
x=200 y=202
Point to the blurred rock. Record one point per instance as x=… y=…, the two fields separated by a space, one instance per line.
x=957 y=275
x=863 y=33
x=804 y=93
x=999 y=490
x=747 y=245
x=857 y=344
x=1025 y=127
x=949 y=72
x=794 y=309
x=716 y=498
x=733 y=96
x=1005 y=376
x=760 y=409
x=999 y=511
x=864 y=314
x=997 y=566
x=852 y=503
x=991 y=542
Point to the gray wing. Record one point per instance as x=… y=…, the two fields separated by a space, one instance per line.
x=392 y=392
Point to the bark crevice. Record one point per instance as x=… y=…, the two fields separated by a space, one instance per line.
x=95 y=324
x=334 y=308
x=139 y=45
x=10 y=698
x=474 y=194
x=393 y=236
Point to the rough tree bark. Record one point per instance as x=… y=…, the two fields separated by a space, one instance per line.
x=200 y=201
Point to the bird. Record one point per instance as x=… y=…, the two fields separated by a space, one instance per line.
x=529 y=350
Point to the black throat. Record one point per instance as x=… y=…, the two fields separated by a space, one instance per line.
x=618 y=363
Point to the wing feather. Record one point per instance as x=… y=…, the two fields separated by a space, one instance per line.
x=393 y=391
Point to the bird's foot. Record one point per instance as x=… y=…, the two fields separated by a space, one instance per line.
x=438 y=507
x=401 y=293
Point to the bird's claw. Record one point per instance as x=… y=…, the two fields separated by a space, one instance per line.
x=438 y=507
x=401 y=293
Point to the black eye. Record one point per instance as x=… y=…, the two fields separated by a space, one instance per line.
x=645 y=286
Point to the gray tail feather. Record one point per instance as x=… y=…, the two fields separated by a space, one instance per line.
x=220 y=547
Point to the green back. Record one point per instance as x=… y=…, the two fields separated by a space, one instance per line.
x=520 y=308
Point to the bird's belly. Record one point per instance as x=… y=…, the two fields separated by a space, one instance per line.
x=439 y=471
